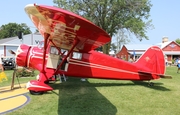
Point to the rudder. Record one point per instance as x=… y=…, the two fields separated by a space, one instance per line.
x=152 y=60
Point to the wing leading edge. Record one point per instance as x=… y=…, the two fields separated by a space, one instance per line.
x=64 y=27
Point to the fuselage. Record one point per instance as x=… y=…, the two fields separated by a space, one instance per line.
x=91 y=64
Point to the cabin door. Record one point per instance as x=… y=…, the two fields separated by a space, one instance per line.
x=53 y=58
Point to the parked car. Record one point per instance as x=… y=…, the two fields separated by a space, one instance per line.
x=8 y=63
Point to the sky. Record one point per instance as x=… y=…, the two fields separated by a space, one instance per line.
x=165 y=15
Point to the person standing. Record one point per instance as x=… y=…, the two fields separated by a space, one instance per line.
x=178 y=65
x=131 y=59
x=166 y=61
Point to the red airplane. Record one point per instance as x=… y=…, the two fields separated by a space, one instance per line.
x=69 y=49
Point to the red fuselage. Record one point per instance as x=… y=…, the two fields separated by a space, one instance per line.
x=90 y=65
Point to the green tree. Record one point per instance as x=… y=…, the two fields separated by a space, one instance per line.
x=11 y=30
x=113 y=48
x=112 y=15
x=121 y=38
x=177 y=41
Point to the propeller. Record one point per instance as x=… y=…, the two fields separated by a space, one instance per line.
x=21 y=60
x=13 y=53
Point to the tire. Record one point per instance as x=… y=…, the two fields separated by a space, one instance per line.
x=46 y=82
x=151 y=84
x=36 y=92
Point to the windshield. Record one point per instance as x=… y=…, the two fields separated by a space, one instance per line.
x=41 y=45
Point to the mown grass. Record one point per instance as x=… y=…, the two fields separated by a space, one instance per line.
x=108 y=97
x=9 y=74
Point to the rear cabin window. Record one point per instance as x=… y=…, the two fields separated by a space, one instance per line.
x=77 y=55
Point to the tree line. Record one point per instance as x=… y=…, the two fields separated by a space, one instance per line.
x=12 y=30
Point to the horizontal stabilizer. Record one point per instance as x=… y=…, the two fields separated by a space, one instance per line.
x=166 y=76
x=144 y=72
x=160 y=75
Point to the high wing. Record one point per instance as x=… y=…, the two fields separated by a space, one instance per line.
x=64 y=27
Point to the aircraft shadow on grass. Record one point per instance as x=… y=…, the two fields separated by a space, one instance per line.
x=77 y=97
x=156 y=86
x=82 y=98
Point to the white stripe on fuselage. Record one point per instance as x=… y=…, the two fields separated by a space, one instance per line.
x=87 y=64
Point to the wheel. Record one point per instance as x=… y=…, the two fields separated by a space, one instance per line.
x=36 y=92
x=151 y=84
x=46 y=82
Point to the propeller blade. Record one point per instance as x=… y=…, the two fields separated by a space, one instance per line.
x=11 y=52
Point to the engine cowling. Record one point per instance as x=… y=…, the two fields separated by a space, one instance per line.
x=22 y=55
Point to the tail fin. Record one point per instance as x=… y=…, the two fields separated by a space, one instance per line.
x=152 y=60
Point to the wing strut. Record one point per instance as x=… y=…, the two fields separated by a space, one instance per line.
x=76 y=41
x=46 y=36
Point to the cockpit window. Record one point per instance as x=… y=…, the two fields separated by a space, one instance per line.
x=41 y=45
x=54 y=50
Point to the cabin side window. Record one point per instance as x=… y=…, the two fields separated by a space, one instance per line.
x=64 y=51
x=54 y=50
x=77 y=55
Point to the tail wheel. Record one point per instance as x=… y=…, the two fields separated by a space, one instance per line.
x=151 y=84
x=36 y=92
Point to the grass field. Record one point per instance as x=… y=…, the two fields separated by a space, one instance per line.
x=106 y=97
x=9 y=74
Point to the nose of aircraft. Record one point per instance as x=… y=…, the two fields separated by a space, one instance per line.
x=21 y=55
